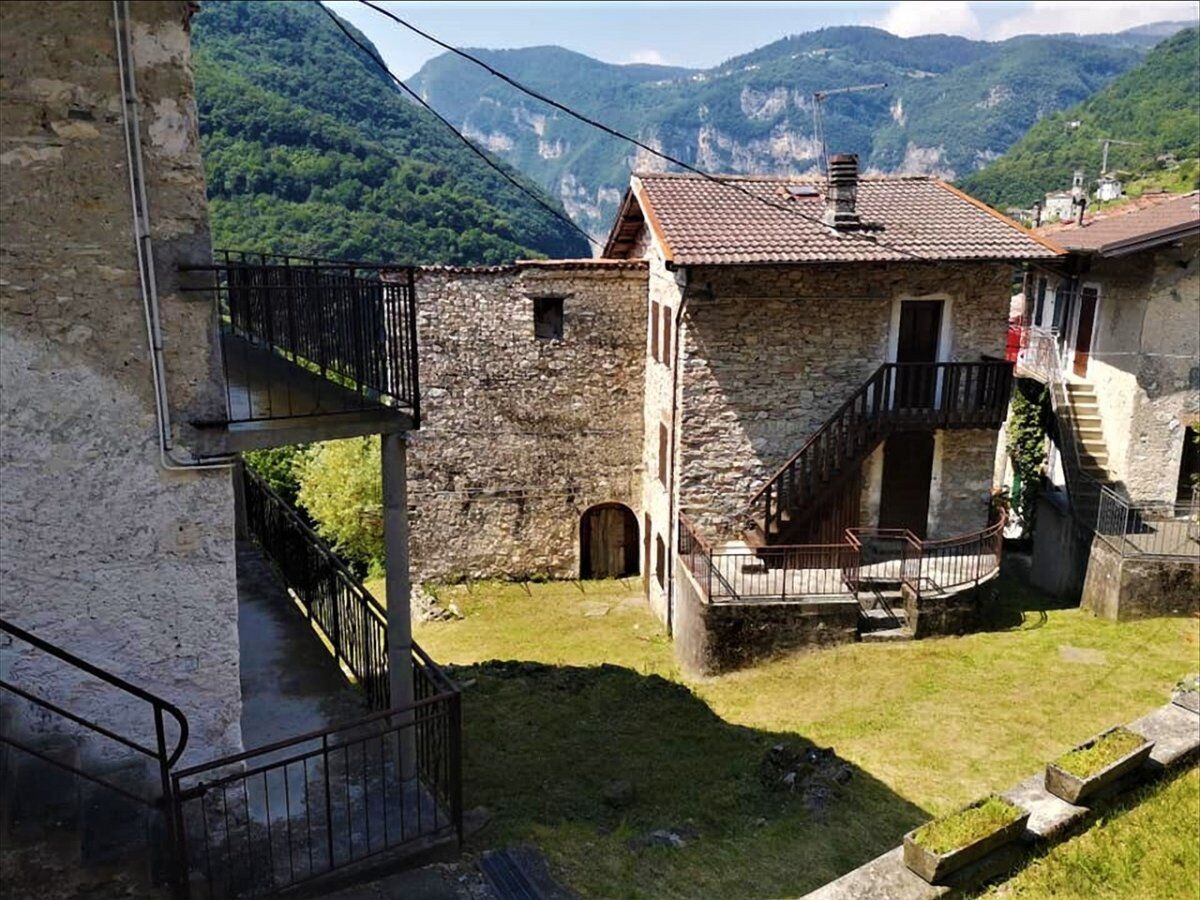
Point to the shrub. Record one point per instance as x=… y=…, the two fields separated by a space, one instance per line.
x=279 y=467
x=341 y=487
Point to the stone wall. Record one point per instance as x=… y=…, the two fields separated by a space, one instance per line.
x=711 y=638
x=103 y=551
x=772 y=351
x=520 y=436
x=1121 y=589
x=1145 y=363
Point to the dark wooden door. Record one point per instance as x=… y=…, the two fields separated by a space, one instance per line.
x=917 y=342
x=907 y=471
x=608 y=542
x=1083 y=332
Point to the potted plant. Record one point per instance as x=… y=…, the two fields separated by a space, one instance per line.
x=948 y=843
x=1096 y=763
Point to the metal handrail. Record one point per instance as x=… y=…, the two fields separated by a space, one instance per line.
x=1119 y=521
x=165 y=758
x=916 y=555
x=931 y=395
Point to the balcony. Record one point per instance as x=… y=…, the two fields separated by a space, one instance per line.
x=311 y=350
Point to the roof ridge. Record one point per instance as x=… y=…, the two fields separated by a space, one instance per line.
x=769 y=179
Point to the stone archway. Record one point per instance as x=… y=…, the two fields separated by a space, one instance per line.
x=608 y=542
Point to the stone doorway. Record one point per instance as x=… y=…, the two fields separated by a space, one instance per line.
x=608 y=542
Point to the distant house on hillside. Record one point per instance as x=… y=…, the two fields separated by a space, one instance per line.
x=1113 y=328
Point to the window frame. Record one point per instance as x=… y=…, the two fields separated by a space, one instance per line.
x=558 y=329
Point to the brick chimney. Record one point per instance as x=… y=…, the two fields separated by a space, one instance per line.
x=842 y=192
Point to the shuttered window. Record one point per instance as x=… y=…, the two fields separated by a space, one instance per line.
x=662 y=453
x=654 y=308
x=666 y=333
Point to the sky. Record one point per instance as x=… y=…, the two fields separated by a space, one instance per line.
x=704 y=34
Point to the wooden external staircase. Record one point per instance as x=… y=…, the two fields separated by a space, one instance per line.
x=897 y=397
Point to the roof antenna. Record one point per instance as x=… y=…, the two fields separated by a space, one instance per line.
x=819 y=98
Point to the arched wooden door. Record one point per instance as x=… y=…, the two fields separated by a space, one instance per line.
x=608 y=542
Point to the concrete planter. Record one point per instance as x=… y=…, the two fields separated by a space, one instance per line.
x=1187 y=693
x=1074 y=789
x=934 y=867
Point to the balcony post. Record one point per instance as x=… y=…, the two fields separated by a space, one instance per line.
x=394 y=459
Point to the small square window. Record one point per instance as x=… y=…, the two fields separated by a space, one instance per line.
x=548 y=318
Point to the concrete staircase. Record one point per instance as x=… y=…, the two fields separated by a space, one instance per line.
x=1092 y=450
x=62 y=835
x=882 y=618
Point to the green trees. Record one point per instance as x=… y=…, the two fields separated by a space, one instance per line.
x=1156 y=104
x=341 y=488
x=309 y=149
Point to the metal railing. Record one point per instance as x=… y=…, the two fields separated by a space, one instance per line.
x=259 y=822
x=868 y=558
x=333 y=599
x=1162 y=530
x=337 y=321
x=161 y=751
x=897 y=395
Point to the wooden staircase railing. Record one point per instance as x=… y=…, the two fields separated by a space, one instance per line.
x=898 y=396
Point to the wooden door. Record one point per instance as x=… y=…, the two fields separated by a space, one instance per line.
x=917 y=342
x=609 y=542
x=1083 y=331
x=907 y=471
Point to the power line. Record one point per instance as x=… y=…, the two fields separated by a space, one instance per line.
x=483 y=156
x=613 y=132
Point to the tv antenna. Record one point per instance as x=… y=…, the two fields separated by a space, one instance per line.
x=818 y=99
x=1106 y=142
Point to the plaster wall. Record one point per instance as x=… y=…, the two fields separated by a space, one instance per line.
x=102 y=551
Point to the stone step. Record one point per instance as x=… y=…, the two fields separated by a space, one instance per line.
x=887 y=635
x=43 y=798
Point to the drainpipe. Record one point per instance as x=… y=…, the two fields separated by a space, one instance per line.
x=671 y=491
x=145 y=250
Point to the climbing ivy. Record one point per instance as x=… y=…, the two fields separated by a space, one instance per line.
x=1027 y=447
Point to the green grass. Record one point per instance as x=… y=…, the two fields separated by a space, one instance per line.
x=958 y=829
x=928 y=727
x=1146 y=847
x=1086 y=762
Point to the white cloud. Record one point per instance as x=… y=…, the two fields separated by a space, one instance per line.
x=648 y=55
x=1054 y=16
x=914 y=17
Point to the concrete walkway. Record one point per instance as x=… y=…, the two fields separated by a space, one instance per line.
x=290 y=683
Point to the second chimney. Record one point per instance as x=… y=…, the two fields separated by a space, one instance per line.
x=842 y=194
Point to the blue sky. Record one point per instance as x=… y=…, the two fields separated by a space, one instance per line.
x=702 y=34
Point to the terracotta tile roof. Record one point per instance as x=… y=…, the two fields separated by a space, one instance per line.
x=1142 y=223
x=705 y=223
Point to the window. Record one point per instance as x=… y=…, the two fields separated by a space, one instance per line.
x=1040 y=306
x=666 y=334
x=548 y=318
x=654 y=307
x=662 y=453
x=660 y=561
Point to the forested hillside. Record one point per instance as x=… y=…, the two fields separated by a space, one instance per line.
x=951 y=105
x=1156 y=105
x=309 y=149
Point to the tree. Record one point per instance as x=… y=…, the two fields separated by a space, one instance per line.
x=341 y=488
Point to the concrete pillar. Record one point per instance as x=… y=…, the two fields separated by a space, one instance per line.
x=394 y=459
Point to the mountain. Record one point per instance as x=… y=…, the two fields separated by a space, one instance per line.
x=1156 y=104
x=309 y=149
x=951 y=106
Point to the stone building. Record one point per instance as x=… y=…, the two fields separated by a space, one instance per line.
x=819 y=359
x=1113 y=330
x=528 y=461
x=134 y=368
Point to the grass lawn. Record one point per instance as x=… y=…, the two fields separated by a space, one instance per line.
x=590 y=694
x=1146 y=847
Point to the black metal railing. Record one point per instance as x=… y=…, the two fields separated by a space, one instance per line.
x=867 y=558
x=269 y=819
x=897 y=395
x=1164 y=530
x=337 y=604
x=162 y=751
x=339 y=322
